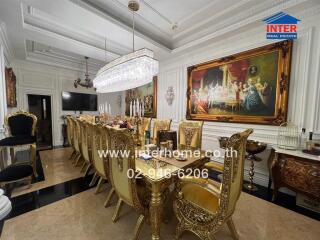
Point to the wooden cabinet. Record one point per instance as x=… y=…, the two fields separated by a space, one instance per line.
x=295 y=170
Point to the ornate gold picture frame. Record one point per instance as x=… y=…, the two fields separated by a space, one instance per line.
x=11 y=88
x=248 y=87
x=147 y=94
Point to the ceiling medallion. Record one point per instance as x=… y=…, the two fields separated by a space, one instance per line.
x=87 y=81
x=129 y=71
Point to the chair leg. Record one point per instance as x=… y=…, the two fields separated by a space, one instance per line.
x=83 y=167
x=138 y=227
x=72 y=155
x=232 y=229
x=33 y=157
x=98 y=188
x=108 y=200
x=78 y=160
x=75 y=160
x=29 y=182
x=118 y=209
x=94 y=179
x=12 y=155
x=86 y=172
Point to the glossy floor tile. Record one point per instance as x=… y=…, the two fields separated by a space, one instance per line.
x=83 y=217
x=57 y=168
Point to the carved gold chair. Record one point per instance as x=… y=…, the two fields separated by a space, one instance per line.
x=190 y=135
x=127 y=189
x=86 y=140
x=100 y=136
x=158 y=125
x=70 y=129
x=21 y=130
x=77 y=141
x=202 y=206
x=145 y=125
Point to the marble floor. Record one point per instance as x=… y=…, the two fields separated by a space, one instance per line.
x=56 y=168
x=83 y=217
x=80 y=214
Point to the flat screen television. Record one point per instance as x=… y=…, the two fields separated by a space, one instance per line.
x=72 y=101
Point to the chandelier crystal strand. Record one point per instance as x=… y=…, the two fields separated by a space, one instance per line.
x=129 y=71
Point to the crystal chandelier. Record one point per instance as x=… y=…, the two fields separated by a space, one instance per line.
x=87 y=81
x=130 y=71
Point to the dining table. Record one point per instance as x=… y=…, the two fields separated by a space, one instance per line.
x=159 y=173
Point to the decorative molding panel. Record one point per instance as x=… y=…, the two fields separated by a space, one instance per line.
x=7 y=48
x=38 y=80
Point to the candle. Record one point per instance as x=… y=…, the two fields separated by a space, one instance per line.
x=106 y=107
x=138 y=107
x=130 y=108
x=143 y=109
x=109 y=109
x=134 y=108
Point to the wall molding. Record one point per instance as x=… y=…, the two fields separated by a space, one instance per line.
x=304 y=100
x=4 y=41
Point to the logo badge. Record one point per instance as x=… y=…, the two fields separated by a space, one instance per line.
x=281 y=26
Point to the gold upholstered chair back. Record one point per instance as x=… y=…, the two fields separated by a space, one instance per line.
x=190 y=135
x=233 y=171
x=76 y=134
x=158 y=125
x=122 y=165
x=69 y=129
x=85 y=140
x=145 y=125
x=100 y=138
x=88 y=118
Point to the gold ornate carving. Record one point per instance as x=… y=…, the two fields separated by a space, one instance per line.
x=202 y=222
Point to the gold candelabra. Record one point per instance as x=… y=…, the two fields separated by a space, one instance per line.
x=137 y=123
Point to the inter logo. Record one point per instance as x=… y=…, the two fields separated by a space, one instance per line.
x=281 y=26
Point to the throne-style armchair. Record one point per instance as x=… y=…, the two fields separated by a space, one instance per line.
x=21 y=128
x=202 y=206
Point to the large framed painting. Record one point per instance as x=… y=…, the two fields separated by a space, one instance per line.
x=11 y=89
x=248 y=87
x=146 y=93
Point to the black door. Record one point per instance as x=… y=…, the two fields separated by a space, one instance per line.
x=40 y=105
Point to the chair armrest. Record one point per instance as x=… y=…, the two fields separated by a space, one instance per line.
x=202 y=182
x=195 y=180
x=215 y=166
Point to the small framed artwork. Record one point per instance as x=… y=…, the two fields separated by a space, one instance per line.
x=11 y=89
x=248 y=87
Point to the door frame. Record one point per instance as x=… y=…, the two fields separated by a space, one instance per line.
x=43 y=92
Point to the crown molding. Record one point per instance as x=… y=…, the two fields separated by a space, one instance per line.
x=155 y=40
x=57 y=62
x=41 y=20
x=4 y=41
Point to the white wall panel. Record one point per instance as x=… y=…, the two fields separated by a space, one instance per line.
x=304 y=100
x=41 y=79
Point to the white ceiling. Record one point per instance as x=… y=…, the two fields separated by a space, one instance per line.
x=63 y=31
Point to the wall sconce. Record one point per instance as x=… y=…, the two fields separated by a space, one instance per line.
x=169 y=95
